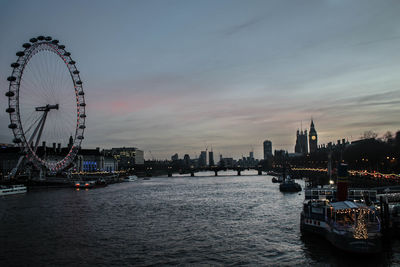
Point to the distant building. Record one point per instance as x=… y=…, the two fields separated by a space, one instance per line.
x=128 y=157
x=227 y=162
x=186 y=160
x=313 y=138
x=280 y=157
x=301 y=142
x=89 y=160
x=203 y=159
x=110 y=164
x=86 y=160
x=139 y=157
x=211 y=158
x=280 y=153
x=267 y=149
x=9 y=156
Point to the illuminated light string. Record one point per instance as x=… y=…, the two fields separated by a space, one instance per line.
x=354 y=172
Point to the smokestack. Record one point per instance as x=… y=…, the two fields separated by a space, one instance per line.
x=342 y=185
x=54 y=147
x=44 y=144
x=59 y=147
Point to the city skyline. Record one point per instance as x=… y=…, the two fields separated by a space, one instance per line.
x=174 y=76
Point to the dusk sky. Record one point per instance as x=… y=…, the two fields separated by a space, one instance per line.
x=172 y=76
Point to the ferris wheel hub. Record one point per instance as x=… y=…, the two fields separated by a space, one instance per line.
x=47 y=107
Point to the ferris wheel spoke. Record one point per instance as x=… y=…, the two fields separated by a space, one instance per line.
x=51 y=80
x=32 y=124
x=31 y=82
x=37 y=84
x=29 y=94
x=44 y=74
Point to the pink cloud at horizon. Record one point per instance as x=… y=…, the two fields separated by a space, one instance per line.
x=130 y=104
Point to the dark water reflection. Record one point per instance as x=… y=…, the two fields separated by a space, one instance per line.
x=225 y=220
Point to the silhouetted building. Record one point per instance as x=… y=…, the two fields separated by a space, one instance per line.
x=267 y=149
x=9 y=156
x=203 y=159
x=211 y=158
x=301 y=142
x=313 y=138
x=186 y=160
x=227 y=162
x=280 y=157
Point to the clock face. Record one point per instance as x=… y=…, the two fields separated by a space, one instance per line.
x=313 y=137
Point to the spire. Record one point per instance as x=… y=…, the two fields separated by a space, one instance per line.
x=312 y=123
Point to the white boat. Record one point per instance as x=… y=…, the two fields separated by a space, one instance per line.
x=132 y=178
x=12 y=189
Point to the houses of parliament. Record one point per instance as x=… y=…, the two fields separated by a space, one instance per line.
x=302 y=143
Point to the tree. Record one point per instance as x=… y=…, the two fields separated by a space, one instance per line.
x=388 y=137
x=397 y=139
x=369 y=134
x=361 y=232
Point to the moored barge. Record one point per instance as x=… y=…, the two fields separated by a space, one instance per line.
x=348 y=225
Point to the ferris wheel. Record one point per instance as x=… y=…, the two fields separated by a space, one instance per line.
x=46 y=103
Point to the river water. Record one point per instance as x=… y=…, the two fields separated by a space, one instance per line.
x=202 y=220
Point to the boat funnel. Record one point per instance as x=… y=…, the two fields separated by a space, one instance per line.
x=342 y=182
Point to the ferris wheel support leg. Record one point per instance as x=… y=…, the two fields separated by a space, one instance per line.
x=42 y=176
x=42 y=121
x=39 y=126
x=36 y=129
x=15 y=169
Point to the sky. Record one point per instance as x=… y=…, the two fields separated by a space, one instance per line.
x=175 y=76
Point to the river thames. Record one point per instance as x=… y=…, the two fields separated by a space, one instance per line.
x=202 y=220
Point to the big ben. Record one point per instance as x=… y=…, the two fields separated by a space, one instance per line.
x=313 y=138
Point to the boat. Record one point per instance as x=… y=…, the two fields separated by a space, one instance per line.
x=289 y=185
x=131 y=178
x=273 y=173
x=391 y=204
x=100 y=183
x=351 y=226
x=395 y=219
x=84 y=184
x=12 y=189
x=278 y=179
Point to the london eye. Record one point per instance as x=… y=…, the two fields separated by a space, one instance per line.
x=46 y=102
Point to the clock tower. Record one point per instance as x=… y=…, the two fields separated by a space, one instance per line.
x=313 y=138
